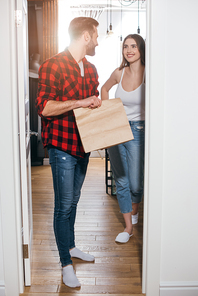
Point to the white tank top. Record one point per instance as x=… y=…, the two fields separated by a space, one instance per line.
x=133 y=101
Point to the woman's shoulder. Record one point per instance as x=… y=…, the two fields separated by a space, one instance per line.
x=117 y=73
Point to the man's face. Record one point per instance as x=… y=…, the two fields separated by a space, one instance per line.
x=90 y=49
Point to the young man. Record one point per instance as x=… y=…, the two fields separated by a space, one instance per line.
x=68 y=81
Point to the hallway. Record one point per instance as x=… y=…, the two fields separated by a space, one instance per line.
x=117 y=267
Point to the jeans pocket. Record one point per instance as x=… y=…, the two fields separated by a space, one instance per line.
x=55 y=156
x=139 y=128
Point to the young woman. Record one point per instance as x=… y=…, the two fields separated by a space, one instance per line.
x=127 y=159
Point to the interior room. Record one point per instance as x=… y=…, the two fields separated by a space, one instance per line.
x=114 y=18
x=161 y=258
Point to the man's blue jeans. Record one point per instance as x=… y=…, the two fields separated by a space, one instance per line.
x=68 y=176
x=127 y=163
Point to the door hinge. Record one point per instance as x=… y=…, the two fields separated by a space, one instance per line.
x=25 y=252
x=18 y=18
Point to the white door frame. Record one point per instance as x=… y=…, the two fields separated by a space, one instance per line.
x=24 y=134
x=10 y=178
x=154 y=141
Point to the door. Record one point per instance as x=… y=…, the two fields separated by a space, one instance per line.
x=24 y=134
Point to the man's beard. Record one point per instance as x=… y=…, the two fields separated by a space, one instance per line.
x=90 y=49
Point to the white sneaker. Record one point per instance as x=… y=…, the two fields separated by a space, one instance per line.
x=123 y=237
x=134 y=218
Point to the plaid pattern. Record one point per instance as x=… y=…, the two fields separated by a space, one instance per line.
x=60 y=79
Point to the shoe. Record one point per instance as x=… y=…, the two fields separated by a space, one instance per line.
x=134 y=218
x=123 y=237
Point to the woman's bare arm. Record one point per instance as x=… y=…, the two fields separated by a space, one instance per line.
x=113 y=79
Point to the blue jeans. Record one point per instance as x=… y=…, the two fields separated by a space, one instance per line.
x=68 y=176
x=127 y=164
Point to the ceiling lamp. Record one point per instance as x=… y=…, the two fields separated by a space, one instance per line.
x=110 y=31
x=138 y=29
x=129 y=2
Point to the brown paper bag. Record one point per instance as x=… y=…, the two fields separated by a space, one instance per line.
x=104 y=126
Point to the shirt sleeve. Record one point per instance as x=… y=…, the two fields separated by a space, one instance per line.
x=48 y=85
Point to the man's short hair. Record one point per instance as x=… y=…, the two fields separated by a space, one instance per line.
x=81 y=24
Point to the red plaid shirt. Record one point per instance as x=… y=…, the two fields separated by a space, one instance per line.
x=60 y=79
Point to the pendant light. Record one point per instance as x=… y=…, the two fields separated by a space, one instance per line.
x=121 y=23
x=110 y=32
x=107 y=18
x=138 y=29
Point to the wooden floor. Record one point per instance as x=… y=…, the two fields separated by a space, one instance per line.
x=117 y=267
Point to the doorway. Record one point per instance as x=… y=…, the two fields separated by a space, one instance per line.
x=116 y=45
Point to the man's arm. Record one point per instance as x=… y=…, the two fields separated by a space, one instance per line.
x=55 y=108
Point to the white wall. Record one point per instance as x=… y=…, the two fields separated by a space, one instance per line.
x=179 y=264
x=2 y=283
x=173 y=149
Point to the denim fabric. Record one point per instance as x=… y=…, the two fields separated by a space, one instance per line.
x=127 y=164
x=68 y=176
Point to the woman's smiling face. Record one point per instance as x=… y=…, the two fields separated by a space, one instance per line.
x=130 y=50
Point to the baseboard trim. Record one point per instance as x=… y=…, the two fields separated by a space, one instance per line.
x=2 y=290
x=178 y=288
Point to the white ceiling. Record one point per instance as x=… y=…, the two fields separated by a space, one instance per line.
x=113 y=5
x=108 y=4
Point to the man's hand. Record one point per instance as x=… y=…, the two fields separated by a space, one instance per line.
x=91 y=102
